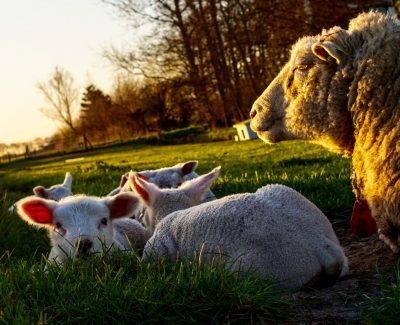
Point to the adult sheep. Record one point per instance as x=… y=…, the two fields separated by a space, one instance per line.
x=342 y=89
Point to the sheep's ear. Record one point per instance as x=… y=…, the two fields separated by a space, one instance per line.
x=122 y=205
x=146 y=190
x=188 y=167
x=40 y=191
x=124 y=179
x=36 y=211
x=67 y=180
x=327 y=51
x=198 y=187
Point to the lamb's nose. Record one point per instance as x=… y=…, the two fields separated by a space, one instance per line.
x=253 y=113
x=84 y=246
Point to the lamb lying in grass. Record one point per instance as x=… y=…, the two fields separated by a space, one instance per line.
x=167 y=177
x=55 y=192
x=159 y=203
x=79 y=225
x=275 y=232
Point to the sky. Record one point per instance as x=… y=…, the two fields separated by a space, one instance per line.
x=38 y=35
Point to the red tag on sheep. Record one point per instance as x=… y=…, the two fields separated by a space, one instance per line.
x=38 y=212
x=362 y=224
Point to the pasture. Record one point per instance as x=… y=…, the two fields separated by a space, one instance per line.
x=120 y=289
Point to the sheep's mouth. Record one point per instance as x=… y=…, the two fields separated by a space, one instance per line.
x=271 y=132
x=258 y=127
x=268 y=137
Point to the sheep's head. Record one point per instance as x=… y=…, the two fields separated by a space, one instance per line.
x=167 y=177
x=55 y=192
x=161 y=202
x=171 y=177
x=77 y=225
x=308 y=98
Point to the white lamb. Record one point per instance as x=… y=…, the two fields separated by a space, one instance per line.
x=158 y=203
x=275 y=232
x=167 y=177
x=79 y=225
x=55 y=192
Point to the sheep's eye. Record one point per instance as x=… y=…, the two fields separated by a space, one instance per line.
x=58 y=227
x=303 y=67
x=104 y=221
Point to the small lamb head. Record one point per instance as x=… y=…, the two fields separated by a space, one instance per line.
x=161 y=202
x=55 y=192
x=167 y=177
x=308 y=99
x=77 y=225
x=171 y=177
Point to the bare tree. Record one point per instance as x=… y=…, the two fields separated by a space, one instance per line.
x=221 y=53
x=62 y=97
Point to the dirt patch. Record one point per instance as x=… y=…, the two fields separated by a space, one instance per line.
x=368 y=258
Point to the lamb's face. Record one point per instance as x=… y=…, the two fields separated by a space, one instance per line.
x=58 y=192
x=171 y=177
x=81 y=227
x=307 y=100
x=166 y=178
x=78 y=225
x=55 y=192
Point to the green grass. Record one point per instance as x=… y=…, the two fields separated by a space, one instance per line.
x=121 y=289
x=320 y=175
x=386 y=308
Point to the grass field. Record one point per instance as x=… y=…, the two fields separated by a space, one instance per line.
x=120 y=289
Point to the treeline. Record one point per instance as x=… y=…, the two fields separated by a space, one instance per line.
x=199 y=61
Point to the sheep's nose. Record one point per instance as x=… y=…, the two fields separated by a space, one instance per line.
x=253 y=113
x=84 y=246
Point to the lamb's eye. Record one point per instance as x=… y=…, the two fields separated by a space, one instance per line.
x=104 y=221
x=58 y=227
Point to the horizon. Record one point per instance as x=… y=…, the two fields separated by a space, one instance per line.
x=40 y=35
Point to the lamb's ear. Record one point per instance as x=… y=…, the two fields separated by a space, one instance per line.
x=67 y=180
x=36 y=211
x=124 y=179
x=198 y=187
x=147 y=191
x=40 y=191
x=122 y=205
x=188 y=167
x=329 y=50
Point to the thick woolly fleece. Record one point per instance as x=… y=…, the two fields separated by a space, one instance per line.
x=342 y=89
x=275 y=233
